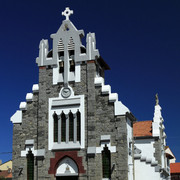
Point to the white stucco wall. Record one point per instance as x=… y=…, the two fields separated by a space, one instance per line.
x=146 y=147
x=129 y=141
x=144 y=171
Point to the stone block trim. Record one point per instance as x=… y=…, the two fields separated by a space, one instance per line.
x=157 y=154
x=119 y=107
x=60 y=155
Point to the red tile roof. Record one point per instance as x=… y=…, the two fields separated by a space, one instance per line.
x=5 y=174
x=175 y=167
x=142 y=128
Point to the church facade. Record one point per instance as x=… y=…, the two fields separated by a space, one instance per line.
x=71 y=125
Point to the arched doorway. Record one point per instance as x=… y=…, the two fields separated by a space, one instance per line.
x=67 y=170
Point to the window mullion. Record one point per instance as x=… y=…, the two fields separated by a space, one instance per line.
x=75 y=127
x=67 y=128
x=59 y=129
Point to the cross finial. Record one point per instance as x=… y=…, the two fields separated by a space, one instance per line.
x=67 y=12
x=157 y=99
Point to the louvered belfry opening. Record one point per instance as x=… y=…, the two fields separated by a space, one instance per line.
x=61 y=56
x=71 y=51
x=71 y=47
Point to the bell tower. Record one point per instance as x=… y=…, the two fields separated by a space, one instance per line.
x=68 y=52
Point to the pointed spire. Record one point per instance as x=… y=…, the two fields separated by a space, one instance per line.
x=157 y=99
x=157 y=119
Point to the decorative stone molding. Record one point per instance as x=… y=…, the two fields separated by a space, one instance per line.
x=119 y=107
x=23 y=106
x=29 y=144
x=65 y=105
x=35 y=88
x=54 y=162
x=67 y=167
x=16 y=118
x=91 y=150
x=145 y=159
x=29 y=97
x=106 y=140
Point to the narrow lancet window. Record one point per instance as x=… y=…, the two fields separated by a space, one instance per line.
x=30 y=165
x=55 y=117
x=63 y=127
x=71 y=126
x=106 y=163
x=78 y=125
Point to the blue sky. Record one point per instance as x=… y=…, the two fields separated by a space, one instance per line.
x=140 y=40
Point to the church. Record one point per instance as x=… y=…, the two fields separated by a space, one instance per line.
x=72 y=127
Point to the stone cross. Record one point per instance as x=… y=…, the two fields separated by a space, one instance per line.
x=67 y=12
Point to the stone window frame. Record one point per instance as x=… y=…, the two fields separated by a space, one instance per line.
x=106 y=156
x=58 y=105
x=73 y=69
x=30 y=165
x=64 y=129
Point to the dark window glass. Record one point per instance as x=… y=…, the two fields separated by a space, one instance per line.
x=78 y=126
x=106 y=163
x=71 y=127
x=72 y=66
x=63 y=127
x=61 y=55
x=30 y=165
x=55 y=127
x=61 y=66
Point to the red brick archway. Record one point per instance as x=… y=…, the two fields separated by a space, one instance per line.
x=60 y=155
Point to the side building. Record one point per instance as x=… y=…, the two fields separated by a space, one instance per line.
x=71 y=126
x=151 y=161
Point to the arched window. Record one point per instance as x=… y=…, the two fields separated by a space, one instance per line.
x=71 y=127
x=106 y=163
x=55 y=117
x=78 y=114
x=63 y=127
x=30 y=165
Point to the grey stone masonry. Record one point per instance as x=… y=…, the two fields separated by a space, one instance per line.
x=157 y=154
x=99 y=120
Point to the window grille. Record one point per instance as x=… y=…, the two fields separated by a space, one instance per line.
x=67 y=127
x=106 y=163
x=55 y=127
x=63 y=127
x=78 y=125
x=30 y=165
x=71 y=126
